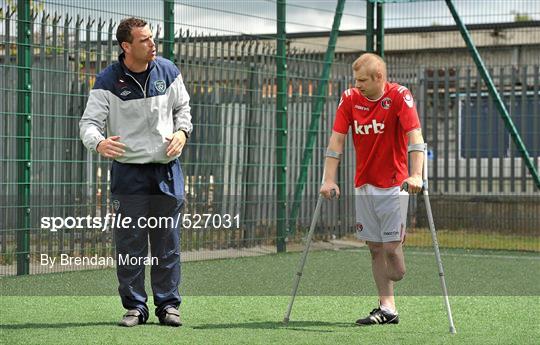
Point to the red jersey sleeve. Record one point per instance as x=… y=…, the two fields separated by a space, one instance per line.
x=408 y=116
x=343 y=113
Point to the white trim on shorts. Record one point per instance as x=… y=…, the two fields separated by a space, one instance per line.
x=381 y=213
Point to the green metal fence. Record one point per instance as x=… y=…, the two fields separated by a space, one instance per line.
x=246 y=152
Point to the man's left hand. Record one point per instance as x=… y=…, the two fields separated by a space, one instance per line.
x=177 y=140
x=414 y=184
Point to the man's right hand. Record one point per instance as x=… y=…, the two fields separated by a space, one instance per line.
x=326 y=190
x=111 y=147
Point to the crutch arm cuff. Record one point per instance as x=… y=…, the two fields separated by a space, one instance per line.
x=416 y=147
x=332 y=154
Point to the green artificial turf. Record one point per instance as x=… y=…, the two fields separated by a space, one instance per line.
x=494 y=296
x=256 y=320
x=327 y=273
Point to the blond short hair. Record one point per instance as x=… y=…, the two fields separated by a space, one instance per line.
x=373 y=62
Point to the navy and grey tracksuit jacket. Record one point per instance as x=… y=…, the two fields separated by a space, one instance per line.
x=142 y=115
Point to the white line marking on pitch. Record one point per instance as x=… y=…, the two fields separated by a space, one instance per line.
x=485 y=256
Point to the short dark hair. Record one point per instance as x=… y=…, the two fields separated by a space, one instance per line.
x=123 y=32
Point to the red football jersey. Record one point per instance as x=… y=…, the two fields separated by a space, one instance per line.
x=379 y=131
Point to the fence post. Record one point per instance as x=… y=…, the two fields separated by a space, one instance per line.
x=370 y=8
x=168 y=35
x=24 y=118
x=380 y=29
x=281 y=128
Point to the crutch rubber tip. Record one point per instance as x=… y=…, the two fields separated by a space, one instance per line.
x=286 y=321
x=452 y=330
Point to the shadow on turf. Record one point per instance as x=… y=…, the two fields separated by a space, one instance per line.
x=54 y=325
x=293 y=325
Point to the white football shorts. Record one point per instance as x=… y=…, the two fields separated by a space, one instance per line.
x=381 y=213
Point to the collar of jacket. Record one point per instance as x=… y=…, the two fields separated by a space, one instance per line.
x=121 y=58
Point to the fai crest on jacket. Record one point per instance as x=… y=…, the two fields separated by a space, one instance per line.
x=116 y=204
x=160 y=85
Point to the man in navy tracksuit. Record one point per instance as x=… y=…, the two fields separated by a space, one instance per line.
x=144 y=105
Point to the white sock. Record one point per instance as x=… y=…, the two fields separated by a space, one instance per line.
x=388 y=310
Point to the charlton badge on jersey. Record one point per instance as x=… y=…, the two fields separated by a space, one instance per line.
x=386 y=102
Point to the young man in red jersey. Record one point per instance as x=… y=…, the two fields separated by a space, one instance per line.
x=385 y=127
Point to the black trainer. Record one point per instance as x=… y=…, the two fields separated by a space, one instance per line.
x=378 y=317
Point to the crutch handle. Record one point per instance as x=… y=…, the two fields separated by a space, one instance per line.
x=405 y=186
x=333 y=194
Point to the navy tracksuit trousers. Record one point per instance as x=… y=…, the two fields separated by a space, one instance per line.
x=148 y=190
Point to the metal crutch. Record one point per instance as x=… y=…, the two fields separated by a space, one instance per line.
x=302 y=262
x=434 y=240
